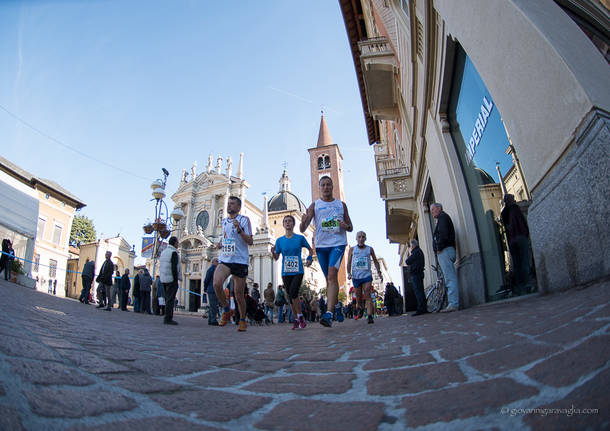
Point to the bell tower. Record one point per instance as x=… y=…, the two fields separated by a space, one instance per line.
x=325 y=159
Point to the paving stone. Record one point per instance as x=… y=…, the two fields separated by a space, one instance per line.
x=20 y=347
x=567 y=367
x=2 y=392
x=59 y=343
x=322 y=367
x=401 y=361
x=10 y=419
x=304 y=384
x=569 y=413
x=210 y=404
x=313 y=415
x=413 y=380
x=160 y=423
x=224 y=378
x=325 y=355
x=573 y=332
x=376 y=352
x=48 y=373
x=511 y=357
x=145 y=384
x=170 y=367
x=74 y=404
x=91 y=362
x=475 y=399
x=258 y=366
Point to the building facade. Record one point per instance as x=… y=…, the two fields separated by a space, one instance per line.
x=123 y=256
x=466 y=101
x=47 y=257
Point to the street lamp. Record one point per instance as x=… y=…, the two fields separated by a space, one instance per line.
x=163 y=221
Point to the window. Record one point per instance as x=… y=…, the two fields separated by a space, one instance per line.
x=57 y=234
x=404 y=5
x=52 y=268
x=40 y=230
x=320 y=163
x=326 y=162
x=36 y=262
x=195 y=267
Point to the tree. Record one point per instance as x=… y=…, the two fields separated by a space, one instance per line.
x=82 y=231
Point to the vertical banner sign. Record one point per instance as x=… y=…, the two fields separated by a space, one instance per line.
x=147 y=246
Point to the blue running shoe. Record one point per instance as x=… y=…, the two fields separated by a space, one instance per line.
x=325 y=320
x=339 y=313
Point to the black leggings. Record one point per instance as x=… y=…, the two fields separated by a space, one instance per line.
x=292 y=284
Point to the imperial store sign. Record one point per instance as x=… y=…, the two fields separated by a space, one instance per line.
x=479 y=128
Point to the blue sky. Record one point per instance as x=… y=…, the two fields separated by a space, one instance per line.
x=143 y=85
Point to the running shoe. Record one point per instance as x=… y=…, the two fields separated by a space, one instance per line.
x=295 y=325
x=225 y=318
x=242 y=326
x=339 y=313
x=325 y=319
x=302 y=323
x=357 y=315
x=371 y=319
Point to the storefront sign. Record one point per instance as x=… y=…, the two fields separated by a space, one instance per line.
x=479 y=128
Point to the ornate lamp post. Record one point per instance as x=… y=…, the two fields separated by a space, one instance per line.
x=161 y=225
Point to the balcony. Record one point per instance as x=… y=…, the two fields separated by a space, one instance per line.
x=379 y=71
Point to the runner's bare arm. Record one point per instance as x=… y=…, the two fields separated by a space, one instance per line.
x=307 y=218
x=376 y=262
x=346 y=223
x=273 y=253
x=349 y=263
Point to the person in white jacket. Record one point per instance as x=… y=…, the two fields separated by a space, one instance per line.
x=171 y=272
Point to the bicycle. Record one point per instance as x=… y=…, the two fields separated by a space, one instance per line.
x=436 y=296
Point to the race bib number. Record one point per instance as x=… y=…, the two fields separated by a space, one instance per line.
x=228 y=246
x=291 y=264
x=330 y=224
x=362 y=263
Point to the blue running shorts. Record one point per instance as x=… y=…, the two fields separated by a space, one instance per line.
x=330 y=256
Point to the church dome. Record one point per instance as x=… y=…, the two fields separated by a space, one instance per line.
x=285 y=200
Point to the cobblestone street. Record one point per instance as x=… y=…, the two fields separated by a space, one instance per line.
x=65 y=365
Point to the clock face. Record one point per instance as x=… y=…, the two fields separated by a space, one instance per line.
x=203 y=218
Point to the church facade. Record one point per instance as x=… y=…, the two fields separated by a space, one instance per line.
x=203 y=198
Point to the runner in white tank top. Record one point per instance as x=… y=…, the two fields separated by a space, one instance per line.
x=359 y=271
x=331 y=221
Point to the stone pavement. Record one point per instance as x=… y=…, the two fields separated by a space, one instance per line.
x=68 y=366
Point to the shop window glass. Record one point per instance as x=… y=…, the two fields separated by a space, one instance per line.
x=488 y=164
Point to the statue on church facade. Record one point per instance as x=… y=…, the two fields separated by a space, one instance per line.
x=219 y=165
x=184 y=176
x=229 y=166
x=194 y=170
x=210 y=163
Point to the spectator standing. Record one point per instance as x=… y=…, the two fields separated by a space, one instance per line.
x=280 y=302
x=125 y=285
x=517 y=234
x=208 y=288
x=171 y=273
x=87 y=278
x=269 y=301
x=104 y=278
x=444 y=247
x=416 y=263
x=136 y=292
x=160 y=295
x=256 y=293
x=116 y=287
x=145 y=289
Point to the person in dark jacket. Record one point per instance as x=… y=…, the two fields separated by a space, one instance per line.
x=416 y=263
x=208 y=287
x=444 y=247
x=136 y=292
x=125 y=285
x=256 y=293
x=87 y=278
x=170 y=270
x=146 y=282
x=104 y=278
x=160 y=295
x=517 y=234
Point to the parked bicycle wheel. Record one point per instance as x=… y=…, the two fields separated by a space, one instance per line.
x=436 y=298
